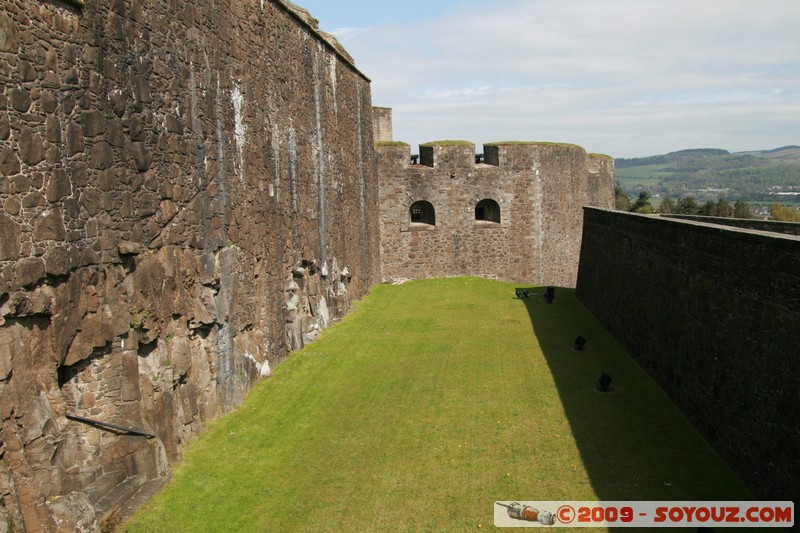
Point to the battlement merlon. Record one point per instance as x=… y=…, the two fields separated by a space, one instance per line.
x=450 y=154
x=461 y=154
x=600 y=179
x=393 y=154
x=510 y=154
x=382 y=124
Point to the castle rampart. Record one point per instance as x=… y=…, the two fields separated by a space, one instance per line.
x=774 y=226
x=188 y=194
x=514 y=216
x=712 y=313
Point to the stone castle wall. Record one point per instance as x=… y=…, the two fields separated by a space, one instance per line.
x=187 y=194
x=382 y=123
x=712 y=313
x=775 y=226
x=538 y=187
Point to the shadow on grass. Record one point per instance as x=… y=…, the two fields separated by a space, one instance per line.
x=634 y=442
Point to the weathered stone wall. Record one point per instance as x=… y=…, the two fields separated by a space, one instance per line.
x=713 y=314
x=539 y=187
x=187 y=194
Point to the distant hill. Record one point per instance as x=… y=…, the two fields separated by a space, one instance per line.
x=711 y=173
x=784 y=152
x=667 y=158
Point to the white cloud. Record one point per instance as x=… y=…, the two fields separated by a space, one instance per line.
x=624 y=77
x=348 y=33
x=460 y=93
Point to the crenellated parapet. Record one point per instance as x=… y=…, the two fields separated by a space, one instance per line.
x=512 y=212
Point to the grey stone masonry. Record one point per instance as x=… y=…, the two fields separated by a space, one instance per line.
x=538 y=190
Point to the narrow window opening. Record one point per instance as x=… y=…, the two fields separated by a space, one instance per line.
x=487 y=210
x=422 y=212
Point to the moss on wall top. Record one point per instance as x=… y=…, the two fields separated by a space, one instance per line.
x=533 y=143
x=448 y=143
x=391 y=143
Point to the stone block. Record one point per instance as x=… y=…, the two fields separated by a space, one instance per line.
x=136 y=128
x=180 y=355
x=48 y=101
x=72 y=208
x=119 y=102
x=31 y=147
x=141 y=88
x=9 y=162
x=58 y=261
x=9 y=34
x=29 y=303
x=130 y=376
x=29 y=271
x=87 y=400
x=102 y=156
x=93 y=123
x=129 y=248
x=108 y=180
x=59 y=185
x=142 y=157
x=96 y=331
x=26 y=71
x=34 y=199
x=12 y=206
x=20 y=99
x=114 y=134
x=75 y=142
x=53 y=81
x=174 y=124
x=73 y=512
x=207 y=266
x=147 y=204
x=5 y=363
x=52 y=129
x=49 y=225
x=204 y=310
x=5 y=128
x=9 y=238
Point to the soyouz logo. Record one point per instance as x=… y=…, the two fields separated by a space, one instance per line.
x=516 y=513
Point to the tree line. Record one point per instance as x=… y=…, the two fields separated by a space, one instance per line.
x=688 y=205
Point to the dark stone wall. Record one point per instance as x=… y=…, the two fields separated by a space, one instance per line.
x=539 y=187
x=775 y=226
x=187 y=194
x=712 y=313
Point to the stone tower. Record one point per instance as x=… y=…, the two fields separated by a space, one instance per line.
x=514 y=215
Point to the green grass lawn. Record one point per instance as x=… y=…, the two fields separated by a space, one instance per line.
x=428 y=403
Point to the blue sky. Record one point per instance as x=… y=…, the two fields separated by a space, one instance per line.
x=627 y=78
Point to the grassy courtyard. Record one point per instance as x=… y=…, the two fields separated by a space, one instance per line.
x=428 y=403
